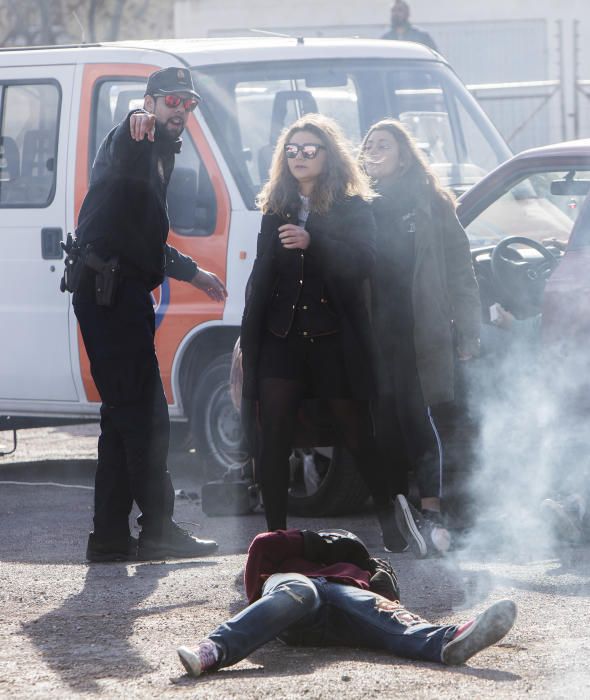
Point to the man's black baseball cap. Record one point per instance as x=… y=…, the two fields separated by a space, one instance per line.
x=171 y=80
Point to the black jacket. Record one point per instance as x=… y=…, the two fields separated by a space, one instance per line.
x=124 y=212
x=342 y=249
x=300 y=302
x=412 y=33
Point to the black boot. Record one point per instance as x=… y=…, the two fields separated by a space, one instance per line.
x=172 y=542
x=102 y=550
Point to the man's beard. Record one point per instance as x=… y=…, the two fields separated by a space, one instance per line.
x=164 y=132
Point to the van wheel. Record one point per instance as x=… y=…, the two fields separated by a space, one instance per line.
x=214 y=422
x=325 y=481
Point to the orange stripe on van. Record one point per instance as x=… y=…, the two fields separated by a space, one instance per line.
x=189 y=307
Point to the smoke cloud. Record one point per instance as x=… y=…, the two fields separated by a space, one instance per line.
x=526 y=395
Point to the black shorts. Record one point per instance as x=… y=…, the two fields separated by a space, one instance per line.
x=318 y=363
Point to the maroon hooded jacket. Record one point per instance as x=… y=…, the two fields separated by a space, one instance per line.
x=281 y=551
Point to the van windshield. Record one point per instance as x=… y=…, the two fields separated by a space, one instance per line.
x=246 y=106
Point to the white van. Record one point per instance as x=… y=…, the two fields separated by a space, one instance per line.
x=56 y=105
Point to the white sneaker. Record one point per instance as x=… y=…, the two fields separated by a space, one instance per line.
x=203 y=658
x=486 y=629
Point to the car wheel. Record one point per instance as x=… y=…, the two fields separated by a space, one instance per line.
x=215 y=423
x=325 y=481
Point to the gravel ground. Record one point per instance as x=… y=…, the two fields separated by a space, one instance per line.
x=68 y=629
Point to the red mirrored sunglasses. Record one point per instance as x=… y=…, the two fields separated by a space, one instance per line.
x=189 y=103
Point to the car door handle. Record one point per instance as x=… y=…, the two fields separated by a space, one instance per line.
x=51 y=239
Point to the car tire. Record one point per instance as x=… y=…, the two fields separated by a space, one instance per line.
x=214 y=422
x=340 y=491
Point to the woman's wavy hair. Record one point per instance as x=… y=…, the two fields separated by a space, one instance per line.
x=342 y=175
x=414 y=166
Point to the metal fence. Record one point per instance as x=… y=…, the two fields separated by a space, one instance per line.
x=527 y=114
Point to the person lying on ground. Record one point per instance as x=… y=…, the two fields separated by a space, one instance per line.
x=324 y=589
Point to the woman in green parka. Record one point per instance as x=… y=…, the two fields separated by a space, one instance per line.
x=426 y=314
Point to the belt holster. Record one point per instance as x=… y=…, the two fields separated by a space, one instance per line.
x=107 y=276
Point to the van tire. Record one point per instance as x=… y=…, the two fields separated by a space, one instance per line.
x=342 y=490
x=214 y=422
x=216 y=431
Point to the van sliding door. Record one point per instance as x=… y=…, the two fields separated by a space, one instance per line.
x=35 y=367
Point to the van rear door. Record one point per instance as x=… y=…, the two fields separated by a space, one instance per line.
x=35 y=104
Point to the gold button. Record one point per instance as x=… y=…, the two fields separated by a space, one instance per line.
x=288 y=216
x=302 y=255
x=311 y=340
x=323 y=300
x=305 y=333
x=300 y=281
x=293 y=305
x=305 y=308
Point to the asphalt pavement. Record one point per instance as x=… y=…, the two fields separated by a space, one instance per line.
x=69 y=629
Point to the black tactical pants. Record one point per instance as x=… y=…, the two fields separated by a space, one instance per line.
x=135 y=427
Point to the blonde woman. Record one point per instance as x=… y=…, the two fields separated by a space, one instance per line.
x=426 y=312
x=305 y=330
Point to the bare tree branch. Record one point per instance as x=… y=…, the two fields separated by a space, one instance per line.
x=116 y=19
x=33 y=22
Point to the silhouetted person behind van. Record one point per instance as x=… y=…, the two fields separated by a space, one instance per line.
x=402 y=30
x=124 y=220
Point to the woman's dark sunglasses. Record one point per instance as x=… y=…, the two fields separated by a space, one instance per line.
x=189 y=103
x=308 y=150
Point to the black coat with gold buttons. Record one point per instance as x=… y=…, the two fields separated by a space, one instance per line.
x=335 y=268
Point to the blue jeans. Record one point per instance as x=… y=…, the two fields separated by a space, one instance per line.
x=315 y=612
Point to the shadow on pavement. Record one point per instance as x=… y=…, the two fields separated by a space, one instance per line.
x=89 y=636
x=276 y=660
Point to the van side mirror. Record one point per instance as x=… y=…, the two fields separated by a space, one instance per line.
x=191 y=209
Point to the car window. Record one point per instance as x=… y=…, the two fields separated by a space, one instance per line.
x=191 y=198
x=29 y=123
x=264 y=108
x=418 y=99
x=528 y=209
x=478 y=150
x=113 y=100
x=581 y=232
x=247 y=107
x=446 y=124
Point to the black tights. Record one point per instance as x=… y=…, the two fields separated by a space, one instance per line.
x=279 y=403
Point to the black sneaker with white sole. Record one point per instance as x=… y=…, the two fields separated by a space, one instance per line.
x=424 y=531
x=486 y=629
x=393 y=540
